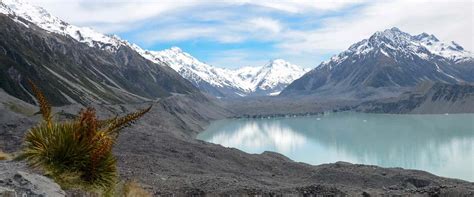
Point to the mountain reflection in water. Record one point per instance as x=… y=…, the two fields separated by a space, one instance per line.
x=440 y=144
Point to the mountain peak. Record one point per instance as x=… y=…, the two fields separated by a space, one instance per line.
x=278 y=61
x=281 y=65
x=394 y=30
x=392 y=34
x=34 y=14
x=425 y=36
x=41 y=18
x=394 y=42
x=176 y=49
x=391 y=31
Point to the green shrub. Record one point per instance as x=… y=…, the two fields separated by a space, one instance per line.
x=76 y=153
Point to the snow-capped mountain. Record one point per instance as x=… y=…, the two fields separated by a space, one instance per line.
x=269 y=79
x=273 y=77
x=76 y=65
x=393 y=42
x=386 y=63
x=216 y=81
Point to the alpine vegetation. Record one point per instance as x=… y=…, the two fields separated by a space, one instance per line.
x=76 y=153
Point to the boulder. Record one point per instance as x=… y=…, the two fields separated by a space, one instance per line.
x=15 y=180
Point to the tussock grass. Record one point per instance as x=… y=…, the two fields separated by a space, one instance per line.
x=132 y=189
x=76 y=153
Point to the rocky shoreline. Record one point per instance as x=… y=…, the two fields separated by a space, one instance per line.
x=161 y=153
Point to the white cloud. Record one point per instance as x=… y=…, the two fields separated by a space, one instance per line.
x=299 y=6
x=266 y=24
x=110 y=11
x=115 y=11
x=448 y=20
x=225 y=32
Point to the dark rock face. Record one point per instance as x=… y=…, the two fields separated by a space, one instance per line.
x=69 y=71
x=450 y=93
x=387 y=61
x=431 y=98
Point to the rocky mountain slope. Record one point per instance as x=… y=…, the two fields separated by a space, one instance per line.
x=75 y=65
x=269 y=79
x=386 y=64
x=427 y=98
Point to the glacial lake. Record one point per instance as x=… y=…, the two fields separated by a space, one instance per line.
x=441 y=144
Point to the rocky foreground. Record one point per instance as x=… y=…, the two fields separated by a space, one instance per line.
x=161 y=153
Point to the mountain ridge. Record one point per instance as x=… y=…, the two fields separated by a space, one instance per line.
x=268 y=79
x=216 y=81
x=71 y=71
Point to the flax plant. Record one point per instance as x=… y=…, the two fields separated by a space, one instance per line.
x=76 y=152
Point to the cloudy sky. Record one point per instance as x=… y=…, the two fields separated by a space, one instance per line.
x=234 y=33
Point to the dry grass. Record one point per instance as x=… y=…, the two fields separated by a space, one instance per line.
x=4 y=156
x=133 y=189
x=18 y=108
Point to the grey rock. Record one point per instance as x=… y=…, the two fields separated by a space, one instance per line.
x=7 y=192
x=15 y=180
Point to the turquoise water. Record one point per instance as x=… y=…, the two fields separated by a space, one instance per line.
x=440 y=144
